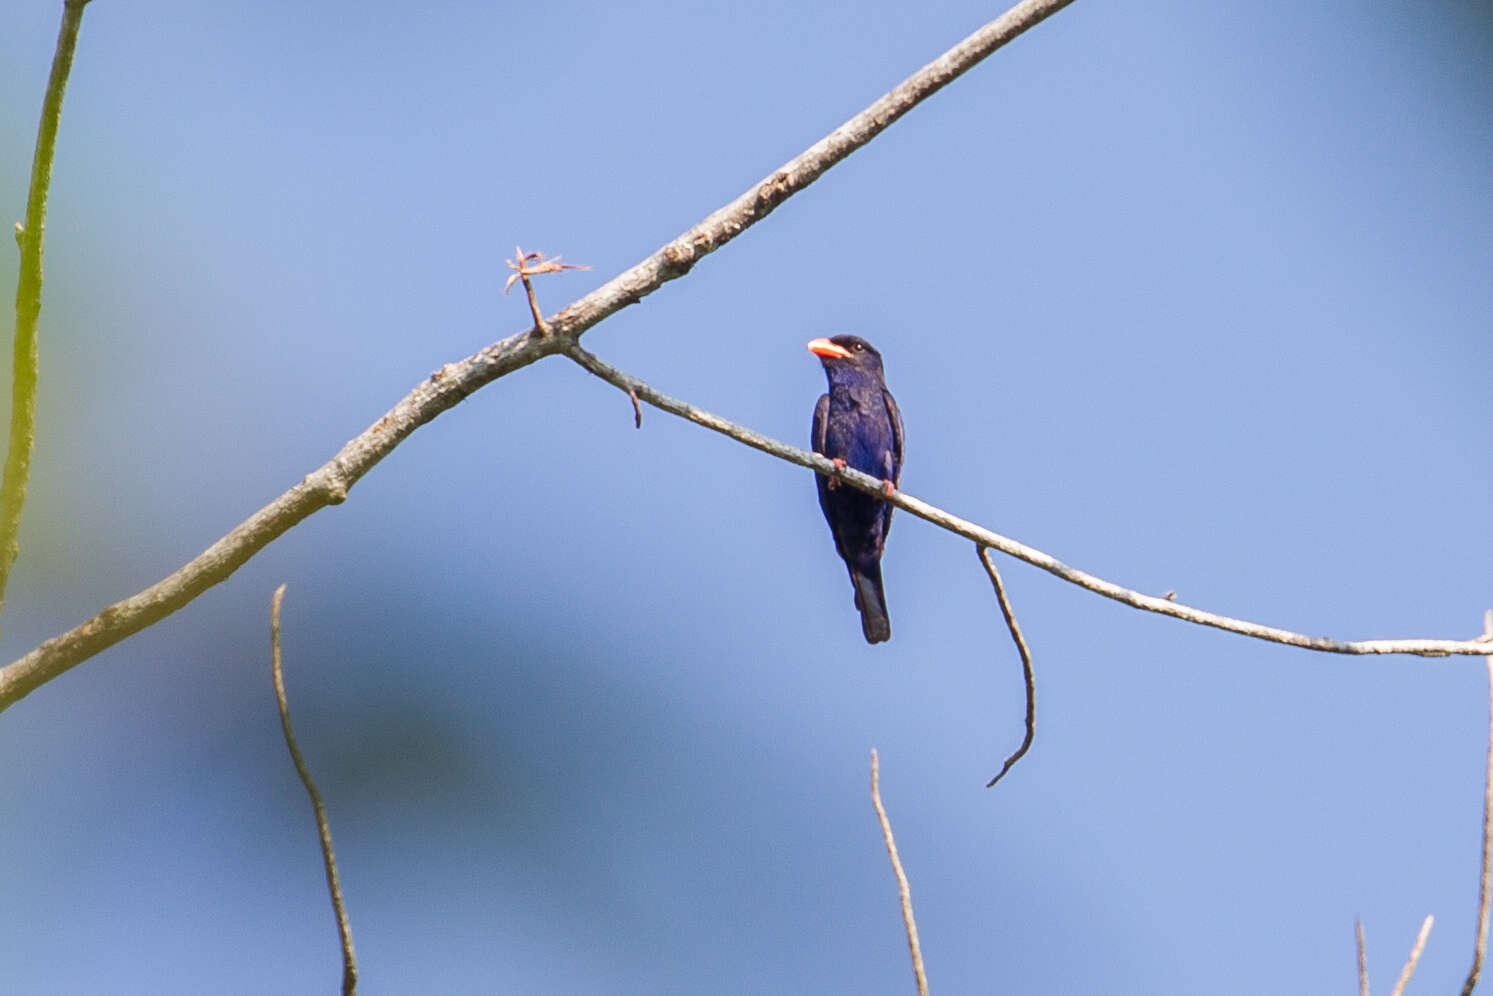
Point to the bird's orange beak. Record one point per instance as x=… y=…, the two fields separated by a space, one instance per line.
x=823 y=347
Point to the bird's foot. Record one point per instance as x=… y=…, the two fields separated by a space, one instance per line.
x=887 y=487
x=834 y=482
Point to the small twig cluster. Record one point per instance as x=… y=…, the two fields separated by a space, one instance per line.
x=531 y=264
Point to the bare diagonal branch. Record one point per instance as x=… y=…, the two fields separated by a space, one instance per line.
x=675 y=259
x=985 y=537
x=328 y=484
x=31 y=237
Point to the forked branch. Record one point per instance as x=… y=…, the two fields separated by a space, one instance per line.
x=452 y=383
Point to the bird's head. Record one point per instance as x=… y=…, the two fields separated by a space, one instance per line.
x=847 y=354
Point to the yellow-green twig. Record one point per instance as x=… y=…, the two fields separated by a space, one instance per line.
x=30 y=236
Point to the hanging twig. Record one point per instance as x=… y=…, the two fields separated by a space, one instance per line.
x=323 y=829
x=1028 y=678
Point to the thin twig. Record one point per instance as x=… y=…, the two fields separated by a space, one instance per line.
x=637 y=413
x=1415 y=952
x=904 y=890
x=31 y=237
x=448 y=386
x=984 y=537
x=1028 y=678
x=1363 y=965
x=1485 y=880
x=329 y=857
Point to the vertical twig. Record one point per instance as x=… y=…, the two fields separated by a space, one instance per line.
x=1363 y=965
x=1415 y=952
x=1485 y=886
x=904 y=890
x=1026 y=663
x=329 y=857
x=31 y=237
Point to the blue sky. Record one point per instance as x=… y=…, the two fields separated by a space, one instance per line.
x=1193 y=296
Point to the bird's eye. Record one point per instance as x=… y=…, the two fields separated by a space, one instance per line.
x=857 y=347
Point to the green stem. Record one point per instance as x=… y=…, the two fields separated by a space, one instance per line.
x=28 y=296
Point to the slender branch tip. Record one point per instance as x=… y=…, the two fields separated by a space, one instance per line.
x=904 y=889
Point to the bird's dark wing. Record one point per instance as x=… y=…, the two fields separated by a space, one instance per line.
x=821 y=424
x=895 y=475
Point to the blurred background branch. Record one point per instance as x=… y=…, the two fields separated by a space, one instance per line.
x=31 y=237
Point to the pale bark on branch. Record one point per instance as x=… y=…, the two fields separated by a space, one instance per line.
x=985 y=537
x=452 y=383
x=1415 y=952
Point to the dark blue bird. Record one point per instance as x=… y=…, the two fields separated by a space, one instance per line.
x=857 y=424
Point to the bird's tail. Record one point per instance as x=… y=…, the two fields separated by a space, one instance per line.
x=871 y=600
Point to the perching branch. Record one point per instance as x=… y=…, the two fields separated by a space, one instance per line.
x=904 y=890
x=449 y=385
x=1028 y=678
x=984 y=537
x=1363 y=964
x=323 y=829
x=31 y=237
x=1485 y=880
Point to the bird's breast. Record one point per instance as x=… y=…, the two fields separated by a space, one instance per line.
x=859 y=434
